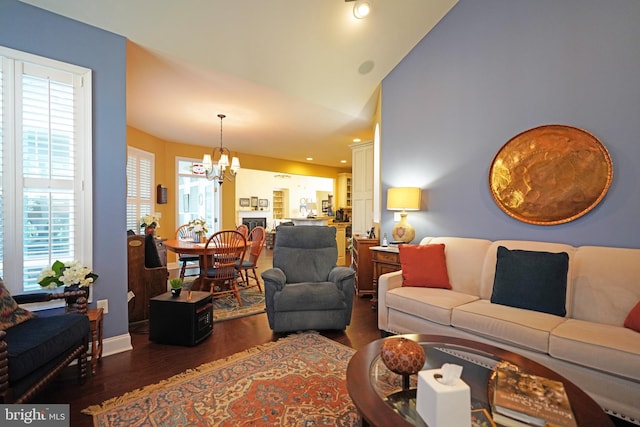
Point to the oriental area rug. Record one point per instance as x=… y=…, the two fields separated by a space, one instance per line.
x=299 y=380
x=227 y=308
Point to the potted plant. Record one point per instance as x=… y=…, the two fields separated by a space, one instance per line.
x=73 y=276
x=176 y=286
x=198 y=228
x=149 y=223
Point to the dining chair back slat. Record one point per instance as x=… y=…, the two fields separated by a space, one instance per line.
x=224 y=249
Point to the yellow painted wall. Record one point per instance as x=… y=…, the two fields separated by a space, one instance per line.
x=165 y=173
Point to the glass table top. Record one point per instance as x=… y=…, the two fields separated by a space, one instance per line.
x=477 y=367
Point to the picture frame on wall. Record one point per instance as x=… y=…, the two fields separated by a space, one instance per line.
x=263 y=203
x=254 y=202
x=325 y=206
x=244 y=202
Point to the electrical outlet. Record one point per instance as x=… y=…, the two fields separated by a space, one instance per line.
x=104 y=305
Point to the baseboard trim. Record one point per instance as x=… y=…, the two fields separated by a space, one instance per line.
x=117 y=344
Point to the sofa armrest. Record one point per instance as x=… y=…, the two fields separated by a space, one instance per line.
x=386 y=282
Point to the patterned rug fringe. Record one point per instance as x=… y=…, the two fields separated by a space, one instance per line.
x=188 y=375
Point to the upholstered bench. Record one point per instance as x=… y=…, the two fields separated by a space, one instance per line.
x=36 y=349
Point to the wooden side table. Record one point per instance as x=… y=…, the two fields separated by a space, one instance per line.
x=95 y=319
x=385 y=259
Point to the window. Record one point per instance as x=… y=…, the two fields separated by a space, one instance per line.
x=45 y=167
x=140 y=172
x=197 y=196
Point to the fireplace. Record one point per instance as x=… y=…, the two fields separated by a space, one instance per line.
x=254 y=222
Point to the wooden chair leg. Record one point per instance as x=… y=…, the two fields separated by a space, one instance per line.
x=183 y=269
x=255 y=276
x=236 y=291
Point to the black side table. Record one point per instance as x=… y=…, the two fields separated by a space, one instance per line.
x=183 y=320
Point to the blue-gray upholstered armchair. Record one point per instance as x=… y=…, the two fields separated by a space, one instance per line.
x=304 y=289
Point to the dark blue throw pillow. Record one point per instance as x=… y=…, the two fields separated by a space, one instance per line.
x=531 y=280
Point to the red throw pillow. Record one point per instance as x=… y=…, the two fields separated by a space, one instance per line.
x=633 y=318
x=424 y=266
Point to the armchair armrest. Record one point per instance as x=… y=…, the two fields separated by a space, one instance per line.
x=274 y=278
x=339 y=275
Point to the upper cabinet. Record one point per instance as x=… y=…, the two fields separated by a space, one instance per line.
x=362 y=187
x=345 y=191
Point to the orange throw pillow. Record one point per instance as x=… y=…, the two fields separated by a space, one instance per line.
x=633 y=318
x=424 y=266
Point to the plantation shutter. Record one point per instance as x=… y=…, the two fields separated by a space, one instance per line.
x=140 y=183
x=45 y=185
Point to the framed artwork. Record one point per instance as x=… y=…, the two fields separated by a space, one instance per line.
x=263 y=203
x=325 y=206
x=254 y=202
x=244 y=202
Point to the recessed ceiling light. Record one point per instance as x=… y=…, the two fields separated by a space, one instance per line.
x=343 y=161
x=361 y=8
x=356 y=140
x=309 y=158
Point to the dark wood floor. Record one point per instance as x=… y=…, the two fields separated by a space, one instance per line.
x=149 y=362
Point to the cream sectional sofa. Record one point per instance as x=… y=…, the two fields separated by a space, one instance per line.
x=589 y=345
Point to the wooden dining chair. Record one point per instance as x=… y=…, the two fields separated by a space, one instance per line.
x=223 y=250
x=186 y=261
x=244 y=230
x=250 y=263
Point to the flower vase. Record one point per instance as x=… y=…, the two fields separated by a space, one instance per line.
x=150 y=230
x=71 y=301
x=196 y=237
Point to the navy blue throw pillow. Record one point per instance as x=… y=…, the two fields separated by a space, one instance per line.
x=531 y=280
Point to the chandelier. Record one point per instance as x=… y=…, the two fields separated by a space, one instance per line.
x=220 y=169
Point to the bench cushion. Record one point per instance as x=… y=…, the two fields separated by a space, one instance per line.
x=34 y=343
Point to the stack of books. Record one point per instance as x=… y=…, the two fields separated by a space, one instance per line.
x=521 y=399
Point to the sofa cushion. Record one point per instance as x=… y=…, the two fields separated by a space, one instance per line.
x=607 y=348
x=431 y=304
x=309 y=296
x=34 y=343
x=531 y=280
x=522 y=328
x=633 y=318
x=10 y=313
x=424 y=266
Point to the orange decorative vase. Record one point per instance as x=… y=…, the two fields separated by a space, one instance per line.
x=149 y=230
x=403 y=356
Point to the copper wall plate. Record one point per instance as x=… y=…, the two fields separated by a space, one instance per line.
x=550 y=175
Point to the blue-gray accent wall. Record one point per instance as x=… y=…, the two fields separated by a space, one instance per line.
x=492 y=69
x=33 y=30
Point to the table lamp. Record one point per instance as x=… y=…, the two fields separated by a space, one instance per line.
x=403 y=199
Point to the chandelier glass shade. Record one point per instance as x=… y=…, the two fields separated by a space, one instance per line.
x=217 y=164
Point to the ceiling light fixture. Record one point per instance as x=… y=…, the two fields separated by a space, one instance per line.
x=220 y=170
x=361 y=8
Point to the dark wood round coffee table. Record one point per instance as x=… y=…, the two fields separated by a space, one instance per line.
x=369 y=386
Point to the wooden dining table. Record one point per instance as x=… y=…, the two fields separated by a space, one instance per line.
x=189 y=247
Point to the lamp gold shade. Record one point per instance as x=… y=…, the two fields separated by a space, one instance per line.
x=403 y=199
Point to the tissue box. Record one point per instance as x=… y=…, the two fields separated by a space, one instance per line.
x=442 y=405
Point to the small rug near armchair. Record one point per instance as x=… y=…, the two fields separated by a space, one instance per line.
x=299 y=380
x=227 y=308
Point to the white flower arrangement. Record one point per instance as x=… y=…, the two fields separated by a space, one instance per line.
x=198 y=226
x=61 y=274
x=150 y=221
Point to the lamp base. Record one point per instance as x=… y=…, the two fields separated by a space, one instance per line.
x=403 y=231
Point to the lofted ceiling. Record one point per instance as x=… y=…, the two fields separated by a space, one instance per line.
x=296 y=78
